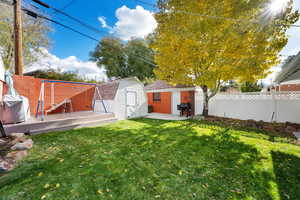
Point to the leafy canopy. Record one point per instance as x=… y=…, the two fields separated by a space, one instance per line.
x=53 y=74
x=121 y=60
x=193 y=47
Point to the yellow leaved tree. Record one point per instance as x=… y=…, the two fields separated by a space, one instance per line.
x=207 y=42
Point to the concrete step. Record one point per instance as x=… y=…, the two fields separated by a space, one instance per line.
x=57 y=124
x=74 y=126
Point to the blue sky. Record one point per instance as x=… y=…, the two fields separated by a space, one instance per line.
x=66 y=43
x=125 y=18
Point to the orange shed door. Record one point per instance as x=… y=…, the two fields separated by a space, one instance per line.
x=160 y=101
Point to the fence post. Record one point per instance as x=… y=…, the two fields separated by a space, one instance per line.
x=275 y=106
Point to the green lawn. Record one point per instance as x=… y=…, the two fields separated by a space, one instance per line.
x=153 y=159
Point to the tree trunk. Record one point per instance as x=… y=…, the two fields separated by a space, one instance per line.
x=205 y=100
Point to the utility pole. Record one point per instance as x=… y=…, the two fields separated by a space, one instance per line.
x=19 y=65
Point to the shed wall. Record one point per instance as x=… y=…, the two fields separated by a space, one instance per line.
x=120 y=106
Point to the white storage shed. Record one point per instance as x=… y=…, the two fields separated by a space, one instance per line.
x=126 y=98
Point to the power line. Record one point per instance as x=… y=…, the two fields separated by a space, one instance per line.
x=217 y=17
x=35 y=15
x=95 y=29
x=68 y=4
x=69 y=16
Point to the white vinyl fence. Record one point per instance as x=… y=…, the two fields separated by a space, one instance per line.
x=269 y=107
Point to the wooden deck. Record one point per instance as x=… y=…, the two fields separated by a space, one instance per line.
x=58 y=122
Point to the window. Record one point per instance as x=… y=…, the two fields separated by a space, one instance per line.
x=156 y=96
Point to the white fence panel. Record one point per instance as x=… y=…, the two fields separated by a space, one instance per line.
x=279 y=107
x=288 y=110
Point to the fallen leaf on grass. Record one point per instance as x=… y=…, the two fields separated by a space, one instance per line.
x=40 y=174
x=99 y=192
x=46 y=186
x=43 y=197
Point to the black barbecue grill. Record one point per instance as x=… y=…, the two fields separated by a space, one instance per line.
x=185 y=108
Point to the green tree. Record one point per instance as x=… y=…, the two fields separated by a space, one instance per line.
x=58 y=75
x=120 y=60
x=198 y=42
x=35 y=35
x=250 y=87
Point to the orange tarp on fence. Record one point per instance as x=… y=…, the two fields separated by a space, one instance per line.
x=81 y=96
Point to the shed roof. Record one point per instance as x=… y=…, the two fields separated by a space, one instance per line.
x=158 y=85
x=108 y=90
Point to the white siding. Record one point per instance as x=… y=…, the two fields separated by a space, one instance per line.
x=198 y=102
x=109 y=105
x=175 y=102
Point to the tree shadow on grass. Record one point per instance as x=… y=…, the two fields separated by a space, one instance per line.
x=287 y=171
x=152 y=159
x=220 y=164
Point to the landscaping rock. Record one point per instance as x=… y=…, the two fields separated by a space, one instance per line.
x=5 y=166
x=251 y=124
x=27 y=144
x=2 y=142
x=269 y=127
x=16 y=155
x=260 y=124
x=17 y=135
x=17 y=140
x=198 y=117
x=290 y=129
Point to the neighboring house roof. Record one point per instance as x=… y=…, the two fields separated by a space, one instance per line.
x=293 y=82
x=108 y=90
x=158 y=85
x=290 y=71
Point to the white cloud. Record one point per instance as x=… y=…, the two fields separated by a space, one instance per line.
x=274 y=71
x=132 y=23
x=102 y=20
x=87 y=70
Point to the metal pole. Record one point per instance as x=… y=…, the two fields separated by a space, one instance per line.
x=43 y=100
x=18 y=38
x=52 y=94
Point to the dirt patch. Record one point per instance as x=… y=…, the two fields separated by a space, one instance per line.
x=273 y=129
